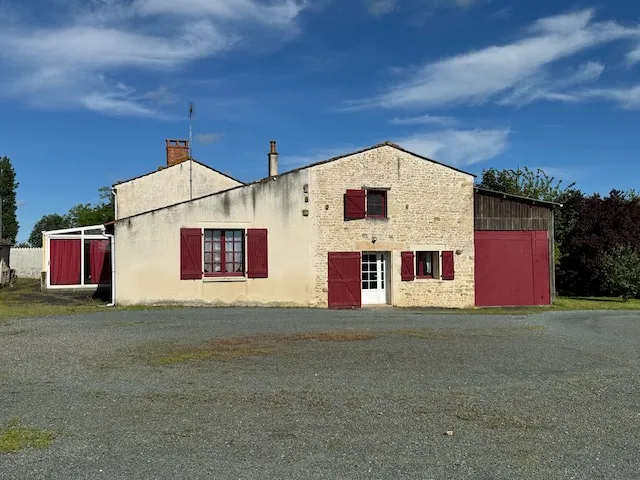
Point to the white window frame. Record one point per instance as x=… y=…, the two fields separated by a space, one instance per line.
x=71 y=234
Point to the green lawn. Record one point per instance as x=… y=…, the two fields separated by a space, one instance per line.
x=568 y=304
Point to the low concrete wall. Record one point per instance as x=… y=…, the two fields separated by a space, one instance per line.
x=27 y=262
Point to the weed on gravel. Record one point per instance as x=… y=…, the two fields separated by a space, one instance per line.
x=170 y=353
x=15 y=436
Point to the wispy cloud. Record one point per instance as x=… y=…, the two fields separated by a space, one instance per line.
x=206 y=138
x=559 y=89
x=423 y=120
x=458 y=147
x=634 y=55
x=496 y=71
x=75 y=59
x=628 y=97
x=378 y=8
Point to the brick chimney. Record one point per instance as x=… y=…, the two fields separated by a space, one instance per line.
x=273 y=160
x=177 y=151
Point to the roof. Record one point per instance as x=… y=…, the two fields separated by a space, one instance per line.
x=266 y=179
x=516 y=197
x=165 y=168
x=383 y=144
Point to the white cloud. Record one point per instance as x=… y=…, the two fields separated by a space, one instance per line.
x=458 y=147
x=556 y=89
x=628 y=97
x=378 y=8
x=634 y=55
x=481 y=75
x=76 y=58
x=423 y=120
x=206 y=138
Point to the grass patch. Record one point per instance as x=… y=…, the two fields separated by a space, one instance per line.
x=565 y=304
x=25 y=299
x=14 y=437
x=171 y=353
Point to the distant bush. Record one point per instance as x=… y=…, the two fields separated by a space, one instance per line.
x=621 y=271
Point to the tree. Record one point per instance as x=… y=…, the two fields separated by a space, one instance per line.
x=85 y=214
x=526 y=183
x=621 y=271
x=8 y=187
x=46 y=223
x=592 y=226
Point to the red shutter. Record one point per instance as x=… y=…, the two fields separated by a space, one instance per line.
x=354 y=204
x=190 y=254
x=257 y=253
x=407 y=269
x=448 y=272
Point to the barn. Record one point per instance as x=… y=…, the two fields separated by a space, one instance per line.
x=380 y=226
x=514 y=246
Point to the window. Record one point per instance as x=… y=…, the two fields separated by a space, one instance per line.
x=376 y=203
x=223 y=252
x=427 y=265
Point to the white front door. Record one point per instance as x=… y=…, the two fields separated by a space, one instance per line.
x=374 y=275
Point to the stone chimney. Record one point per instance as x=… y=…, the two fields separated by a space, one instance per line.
x=177 y=151
x=273 y=160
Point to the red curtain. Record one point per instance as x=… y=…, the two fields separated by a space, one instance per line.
x=65 y=262
x=100 y=261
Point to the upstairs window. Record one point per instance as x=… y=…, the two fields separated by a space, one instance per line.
x=376 y=203
x=223 y=252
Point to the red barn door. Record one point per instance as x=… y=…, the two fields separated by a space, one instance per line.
x=512 y=268
x=344 y=280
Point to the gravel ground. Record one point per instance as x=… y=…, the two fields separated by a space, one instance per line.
x=542 y=396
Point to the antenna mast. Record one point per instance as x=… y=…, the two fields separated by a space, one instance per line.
x=190 y=152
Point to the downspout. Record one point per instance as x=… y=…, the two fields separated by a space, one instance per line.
x=114 y=192
x=113 y=270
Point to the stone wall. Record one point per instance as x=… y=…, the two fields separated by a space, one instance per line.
x=429 y=207
x=27 y=262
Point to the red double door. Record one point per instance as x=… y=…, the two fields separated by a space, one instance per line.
x=65 y=257
x=512 y=268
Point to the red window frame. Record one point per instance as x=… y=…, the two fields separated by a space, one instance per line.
x=237 y=247
x=420 y=264
x=383 y=195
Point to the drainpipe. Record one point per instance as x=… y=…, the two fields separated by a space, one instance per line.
x=114 y=192
x=113 y=271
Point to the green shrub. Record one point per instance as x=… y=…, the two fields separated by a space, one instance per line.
x=621 y=270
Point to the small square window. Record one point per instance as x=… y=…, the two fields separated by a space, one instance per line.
x=427 y=265
x=376 y=203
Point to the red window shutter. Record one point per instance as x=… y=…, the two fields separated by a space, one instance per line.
x=257 y=253
x=407 y=268
x=354 y=204
x=190 y=254
x=448 y=272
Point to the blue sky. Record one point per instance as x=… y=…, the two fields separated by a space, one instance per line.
x=90 y=89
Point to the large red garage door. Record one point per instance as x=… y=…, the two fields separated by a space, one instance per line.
x=512 y=268
x=344 y=280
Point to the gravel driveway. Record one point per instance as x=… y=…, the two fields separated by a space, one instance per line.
x=542 y=396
